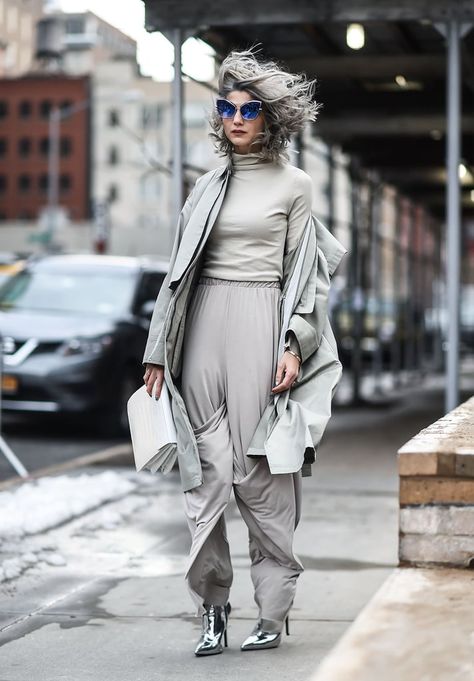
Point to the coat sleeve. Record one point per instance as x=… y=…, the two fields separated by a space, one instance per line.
x=155 y=344
x=308 y=326
x=310 y=316
x=298 y=214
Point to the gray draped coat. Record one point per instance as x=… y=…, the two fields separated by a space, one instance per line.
x=292 y=424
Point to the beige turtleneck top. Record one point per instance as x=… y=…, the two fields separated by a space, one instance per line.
x=262 y=217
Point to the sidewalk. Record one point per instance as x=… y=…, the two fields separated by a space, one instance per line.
x=117 y=608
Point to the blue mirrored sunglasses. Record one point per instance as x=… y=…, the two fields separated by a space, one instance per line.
x=249 y=111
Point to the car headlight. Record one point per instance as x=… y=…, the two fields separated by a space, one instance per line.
x=86 y=345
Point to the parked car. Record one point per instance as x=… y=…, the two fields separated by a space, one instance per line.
x=74 y=329
x=10 y=264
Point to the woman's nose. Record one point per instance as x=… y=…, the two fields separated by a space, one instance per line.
x=238 y=117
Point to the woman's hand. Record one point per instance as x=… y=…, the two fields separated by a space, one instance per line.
x=289 y=367
x=154 y=373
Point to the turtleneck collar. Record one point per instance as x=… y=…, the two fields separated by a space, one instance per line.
x=251 y=161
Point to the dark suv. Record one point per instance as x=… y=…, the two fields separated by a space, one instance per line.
x=73 y=331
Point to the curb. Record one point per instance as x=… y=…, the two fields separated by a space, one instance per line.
x=85 y=460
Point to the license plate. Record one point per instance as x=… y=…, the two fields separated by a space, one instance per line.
x=9 y=383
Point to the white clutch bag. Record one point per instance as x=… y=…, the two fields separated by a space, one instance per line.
x=152 y=430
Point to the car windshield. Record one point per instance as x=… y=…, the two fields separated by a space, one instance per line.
x=84 y=291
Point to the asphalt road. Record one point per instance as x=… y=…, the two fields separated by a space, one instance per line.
x=41 y=441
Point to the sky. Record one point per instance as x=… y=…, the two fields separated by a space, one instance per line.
x=155 y=52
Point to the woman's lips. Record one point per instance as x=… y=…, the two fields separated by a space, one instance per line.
x=238 y=132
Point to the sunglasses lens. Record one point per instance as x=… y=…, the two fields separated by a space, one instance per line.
x=250 y=110
x=225 y=109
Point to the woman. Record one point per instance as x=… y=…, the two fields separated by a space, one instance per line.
x=228 y=373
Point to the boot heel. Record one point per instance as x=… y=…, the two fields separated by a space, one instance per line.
x=228 y=608
x=287 y=625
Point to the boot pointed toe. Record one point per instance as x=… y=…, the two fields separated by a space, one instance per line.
x=260 y=639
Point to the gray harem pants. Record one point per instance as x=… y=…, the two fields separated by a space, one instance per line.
x=232 y=330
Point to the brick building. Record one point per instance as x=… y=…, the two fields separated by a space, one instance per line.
x=25 y=105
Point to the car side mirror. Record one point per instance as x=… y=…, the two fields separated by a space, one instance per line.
x=146 y=310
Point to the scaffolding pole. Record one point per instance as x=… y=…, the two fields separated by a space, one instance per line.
x=453 y=215
x=177 y=131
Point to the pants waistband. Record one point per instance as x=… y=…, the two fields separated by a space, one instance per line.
x=214 y=281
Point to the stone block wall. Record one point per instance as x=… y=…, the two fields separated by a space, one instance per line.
x=436 y=469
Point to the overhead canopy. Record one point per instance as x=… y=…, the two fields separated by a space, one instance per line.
x=384 y=103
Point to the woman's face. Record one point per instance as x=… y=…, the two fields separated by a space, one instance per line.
x=239 y=131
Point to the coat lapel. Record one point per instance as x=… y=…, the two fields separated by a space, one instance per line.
x=200 y=224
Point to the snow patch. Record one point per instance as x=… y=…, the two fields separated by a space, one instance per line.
x=40 y=505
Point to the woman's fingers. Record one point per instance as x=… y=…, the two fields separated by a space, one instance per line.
x=279 y=373
x=155 y=376
x=287 y=372
x=158 y=389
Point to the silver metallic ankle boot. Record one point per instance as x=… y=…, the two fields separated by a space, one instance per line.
x=214 y=628
x=261 y=639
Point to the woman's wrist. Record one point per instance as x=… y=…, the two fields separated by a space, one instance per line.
x=287 y=349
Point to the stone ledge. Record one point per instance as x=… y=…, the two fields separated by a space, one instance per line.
x=444 y=448
x=419 y=625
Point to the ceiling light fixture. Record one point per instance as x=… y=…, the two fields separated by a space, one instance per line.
x=355 y=36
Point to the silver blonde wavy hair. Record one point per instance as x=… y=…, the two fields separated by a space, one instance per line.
x=287 y=102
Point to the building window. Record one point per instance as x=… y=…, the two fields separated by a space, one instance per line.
x=45 y=108
x=65 y=104
x=65 y=146
x=75 y=25
x=25 y=109
x=114 y=118
x=113 y=193
x=152 y=116
x=65 y=183
x=3 y=109
x=3 y=146
x=43 y=183
x=24 y=184
x=24 y=147
x=3 y=183
x=44 y=146
x=113 y=156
